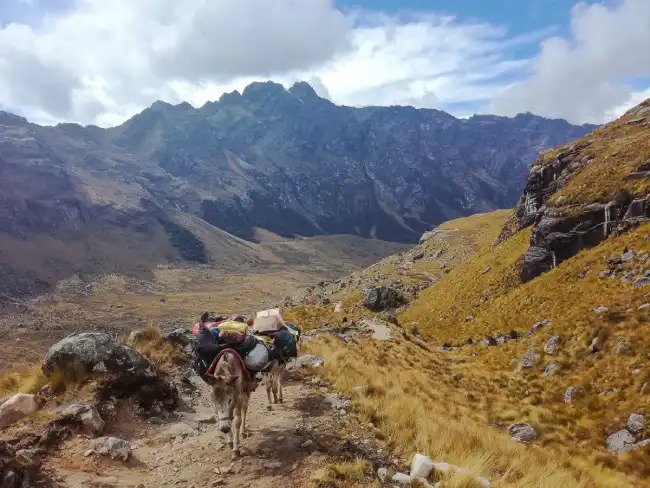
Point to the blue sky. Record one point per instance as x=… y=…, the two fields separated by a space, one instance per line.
x=99 y=61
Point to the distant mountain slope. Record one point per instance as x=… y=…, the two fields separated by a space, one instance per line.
x=172 y=182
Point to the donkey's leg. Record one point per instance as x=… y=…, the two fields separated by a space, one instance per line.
x=274 y=385
x=268 y=380
x=244 y=410
x=236 y=426
x=280 y=378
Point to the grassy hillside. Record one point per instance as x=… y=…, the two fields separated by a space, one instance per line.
x=443 y=403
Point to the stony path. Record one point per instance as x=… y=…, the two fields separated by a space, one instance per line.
x=283 y=447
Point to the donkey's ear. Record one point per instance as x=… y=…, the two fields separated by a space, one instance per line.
x=204 y=317
x=209 y=379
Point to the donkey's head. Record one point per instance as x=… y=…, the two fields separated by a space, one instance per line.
x=224 y=393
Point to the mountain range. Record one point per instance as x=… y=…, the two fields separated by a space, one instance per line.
x=176 y=182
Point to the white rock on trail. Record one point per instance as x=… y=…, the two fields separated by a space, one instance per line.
x=421 y=466
x=112 y=446
x=16 y=408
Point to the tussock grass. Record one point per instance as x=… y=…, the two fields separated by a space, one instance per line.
x=442 y=404
x=348 y=474
x=28 y=379
x=421 y=406
x=152 y=345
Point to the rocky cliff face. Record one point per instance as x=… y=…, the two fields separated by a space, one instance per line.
x=86 y=199
x=579 y=194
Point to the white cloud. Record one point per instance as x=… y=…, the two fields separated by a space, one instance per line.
x=583 y=79
x=98 y=61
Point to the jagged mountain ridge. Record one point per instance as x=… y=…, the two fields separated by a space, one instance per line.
x=166 y=184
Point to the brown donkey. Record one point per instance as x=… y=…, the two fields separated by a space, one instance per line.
x=231 y=388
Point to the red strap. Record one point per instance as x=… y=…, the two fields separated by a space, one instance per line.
x=213 y=365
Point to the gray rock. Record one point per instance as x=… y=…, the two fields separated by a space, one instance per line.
x=601 y=309
x=627 y=256
x=641 y=282
x=88 y=416
x=95 y=352
x=550 y=368
x=382 y=474
x=538 y=325
x=552 y=345
x=623 y=347
x=180 y=337
x=621 y=441
x=308 y=360
x=570 y=394
x=401 y=479
x=641 y=307
x=635 y=423
x=529 y=360
x=112 y=446
x=383 y=298
x=522 y=432
x=421 y=466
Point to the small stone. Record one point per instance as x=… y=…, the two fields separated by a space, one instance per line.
x=628 y=256
x=538 y=325
x=112 y=446
x=421 y=466
x=529 y=360
x=641 y=282
x=307 y=443
x=601 y=309
x=570 y=394
x=550 y=368
x=623 y=347
x=218 y=482
x=644 y=306
x=605 y=274
x=382 y=474
x=522 y=433
x=89 y=452
x=552 y=345
x=635 y=423
x=401 y=479
x=469 y=318
x=280 y=438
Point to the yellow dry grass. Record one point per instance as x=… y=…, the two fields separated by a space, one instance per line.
x=417 y=402
x=347 y=474
x=442 y=404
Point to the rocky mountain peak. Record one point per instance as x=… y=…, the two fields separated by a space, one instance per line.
x=304 y=91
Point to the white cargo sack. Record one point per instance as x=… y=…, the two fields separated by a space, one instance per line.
x=268 y=321
x=257 y=358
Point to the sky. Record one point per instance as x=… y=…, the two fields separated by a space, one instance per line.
x=100 y=62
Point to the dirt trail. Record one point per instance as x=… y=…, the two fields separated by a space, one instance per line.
x=284 y=446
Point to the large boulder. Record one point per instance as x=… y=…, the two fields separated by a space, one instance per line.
x=383 y=298
x=16 y=408
x=95 y=353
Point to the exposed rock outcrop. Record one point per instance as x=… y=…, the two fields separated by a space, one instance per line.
x=563 y=226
